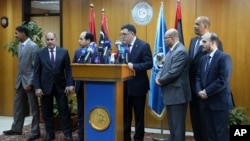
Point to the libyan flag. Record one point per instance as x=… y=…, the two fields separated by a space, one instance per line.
x=104 y=28
x=92 y=21
x=178 y=22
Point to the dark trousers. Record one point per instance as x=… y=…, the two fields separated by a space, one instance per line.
x=136 y=103
x=176 y=115
x=64 y=113
x=196 y=120
x=216 y=124
x=80 y=110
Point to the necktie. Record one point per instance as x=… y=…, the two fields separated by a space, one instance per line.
x=129 y=48
x=197 y=46
x=168 y=54
x=22 y=46
x=207 y=63
x=206 y=71
x=52 y=59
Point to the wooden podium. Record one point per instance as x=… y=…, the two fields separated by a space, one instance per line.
x=103 y=85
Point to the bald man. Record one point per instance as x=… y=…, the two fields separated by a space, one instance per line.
x=174 y=82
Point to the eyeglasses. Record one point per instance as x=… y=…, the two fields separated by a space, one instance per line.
x=167 y=37
x=124 y=34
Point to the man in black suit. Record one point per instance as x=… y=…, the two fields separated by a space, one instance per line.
x=201 y=28
x=52 y=77
x=140 y=60
x=86 y=40
x=213 y=89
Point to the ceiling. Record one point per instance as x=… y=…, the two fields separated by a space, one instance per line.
x=53 y=6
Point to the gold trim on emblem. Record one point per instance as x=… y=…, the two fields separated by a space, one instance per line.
x=99 y=118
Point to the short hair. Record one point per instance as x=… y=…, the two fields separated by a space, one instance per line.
x=89 y=36
x=214 y=37
x=205 y=20
x=23 y=29
x=54 y=34
x=130 y=27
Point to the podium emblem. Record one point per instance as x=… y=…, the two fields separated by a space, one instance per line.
x=99 y=118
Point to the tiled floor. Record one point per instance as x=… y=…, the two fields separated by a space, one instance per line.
x=5 y=123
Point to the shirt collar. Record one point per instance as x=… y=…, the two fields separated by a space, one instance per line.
x=26 y=41
x=212 y=53
x=172 y=48
x=54 y=49
x=132 y=43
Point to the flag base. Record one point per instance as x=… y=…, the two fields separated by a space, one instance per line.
x=159 y=139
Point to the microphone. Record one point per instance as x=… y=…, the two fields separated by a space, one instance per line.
x=107 y=45
x=118 y=44
x=84 y=50
x=106 y=52
x=123 y=57
x=87 y=57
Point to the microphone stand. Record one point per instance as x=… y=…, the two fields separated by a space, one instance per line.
x=161 y=136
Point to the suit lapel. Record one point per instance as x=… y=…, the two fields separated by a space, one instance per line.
x=193 y=44
x=47 y=56
x=214 y=60
x=134 y=49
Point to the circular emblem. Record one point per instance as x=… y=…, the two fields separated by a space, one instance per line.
x=142 y=13
x=99 y=118
x=159 y=60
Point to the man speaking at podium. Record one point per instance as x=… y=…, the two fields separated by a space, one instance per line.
x=87 y=45
x=140 y=60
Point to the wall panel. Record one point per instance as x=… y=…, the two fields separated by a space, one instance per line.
x=8 y=64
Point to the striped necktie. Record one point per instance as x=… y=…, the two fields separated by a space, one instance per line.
x=52 y=59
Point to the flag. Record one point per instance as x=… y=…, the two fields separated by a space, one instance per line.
x=92 y=21
x=155 y=99
x=178 y=23
x=104 y=28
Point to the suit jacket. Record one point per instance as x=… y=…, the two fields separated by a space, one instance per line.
x=78 y=58
x=195 y=60
x=26 y=59
x=174 y=77
x=141 y=57
x=45 y=76
x=217 y=82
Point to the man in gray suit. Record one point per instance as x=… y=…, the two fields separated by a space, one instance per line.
x=174 y=82
x=24 y=86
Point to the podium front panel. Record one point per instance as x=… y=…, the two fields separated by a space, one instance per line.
x=103 y=113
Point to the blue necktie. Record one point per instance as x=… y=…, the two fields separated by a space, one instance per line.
x=207 y=63
x=22 y=46
x=206 y=71
x=197 y=46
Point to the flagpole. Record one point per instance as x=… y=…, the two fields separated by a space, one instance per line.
x=162 y=135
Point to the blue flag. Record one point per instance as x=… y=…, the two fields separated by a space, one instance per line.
x=160 y=50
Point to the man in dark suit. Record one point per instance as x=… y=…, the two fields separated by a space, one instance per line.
x=24 y=86
x=86 y=40
x=173 y=79
x=213 y=89
x=140 y=60
x=201 y=28
x=52 y=77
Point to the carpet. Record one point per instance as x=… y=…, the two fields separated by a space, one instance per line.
x=60 y=135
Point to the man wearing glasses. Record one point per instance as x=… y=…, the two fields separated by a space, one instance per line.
x=140 y=60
